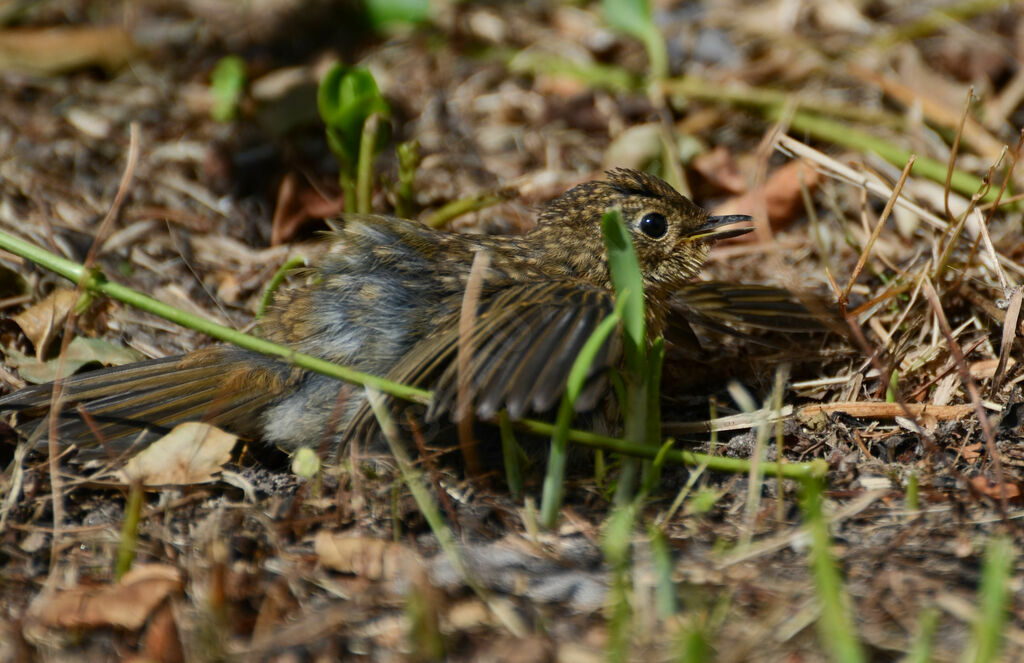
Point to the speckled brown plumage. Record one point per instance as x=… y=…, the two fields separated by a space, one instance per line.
x=385 y=299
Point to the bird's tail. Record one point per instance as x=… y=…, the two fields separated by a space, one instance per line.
x=107 y=411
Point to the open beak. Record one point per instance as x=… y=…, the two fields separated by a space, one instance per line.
x=713 y=230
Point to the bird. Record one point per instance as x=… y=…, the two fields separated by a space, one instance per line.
x=385 y=298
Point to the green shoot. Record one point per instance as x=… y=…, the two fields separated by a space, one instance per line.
x=835 y=626
x=387 y=15
x=347 y=98
x=554 y=477
x=894 y=386
x=408 y=162
x=227 y=83
x=665 y=590
x=628 y=283
x=129 y=531
x=615 y=544
x=275 y=282
x=921 y=651
x=635 y=18
x=993 y=600
x=510 y=452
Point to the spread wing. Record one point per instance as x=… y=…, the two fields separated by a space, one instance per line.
x=523 y=343
x=723 y=306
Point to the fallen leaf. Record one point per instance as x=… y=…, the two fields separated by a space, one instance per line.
x=296 y=205
x=191 y=453
x=56 y=50
x=720 y=169
x=990 y=488
x=44 y=320
x=80 y=351
x=986 y=368
x=373 y=559
x=971 y=452
x=781 y=195
x=126 y=604
x=635 y=147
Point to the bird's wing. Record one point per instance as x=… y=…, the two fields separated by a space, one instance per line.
x=214 y=385
x=523 y=342
x=721 y=306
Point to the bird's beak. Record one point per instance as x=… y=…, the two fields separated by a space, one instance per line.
x=712 y=228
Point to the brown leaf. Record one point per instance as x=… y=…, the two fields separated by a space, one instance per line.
x=161 y=641
x=781 y=195
x=720 y=169
x=971 y=452
x=126 y=604
x=991 y=489
x=295 y=206
x=191 y=453
x=373 y=559
x=49 y=51
x=43 y=321
x=80 y=351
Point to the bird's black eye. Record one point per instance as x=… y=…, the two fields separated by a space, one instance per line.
x=654 y=225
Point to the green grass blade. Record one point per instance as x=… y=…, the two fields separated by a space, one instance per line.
x=626 y=278
x=510 y=452
x=835 y=626
x=993 y=599
x=665 y=589
x=615 y=544
x=923 y=647
x=554 y=477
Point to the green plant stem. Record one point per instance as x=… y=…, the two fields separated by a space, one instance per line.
x=634 y=428
x=129 y=531
x=510 y=453
x=364 y=169
x=823 y=128
x=592 y=74
x=799 y=471
x=657 y=54
x=457 y=208
x=348 y=189
x=276 y=281
x=408 y=162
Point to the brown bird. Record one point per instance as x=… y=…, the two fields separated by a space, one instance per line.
x=385 y=298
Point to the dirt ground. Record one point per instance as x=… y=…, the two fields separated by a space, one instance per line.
x=796 y=113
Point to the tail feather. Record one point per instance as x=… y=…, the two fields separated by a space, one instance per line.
x=224 y=386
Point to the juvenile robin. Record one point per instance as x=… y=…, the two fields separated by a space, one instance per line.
x=385 y=299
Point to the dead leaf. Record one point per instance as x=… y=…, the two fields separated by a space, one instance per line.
x=720 y=169
x=80 y=351
x=986 y=368
x=781 y=195
x=373 y=559
x=161 y=641
x=991 y=489
x=126 y=604
x=42 y=322
x=56 y=50
x=296 y=205
x=971 y=452
x=635 y=147
x=191 y=453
